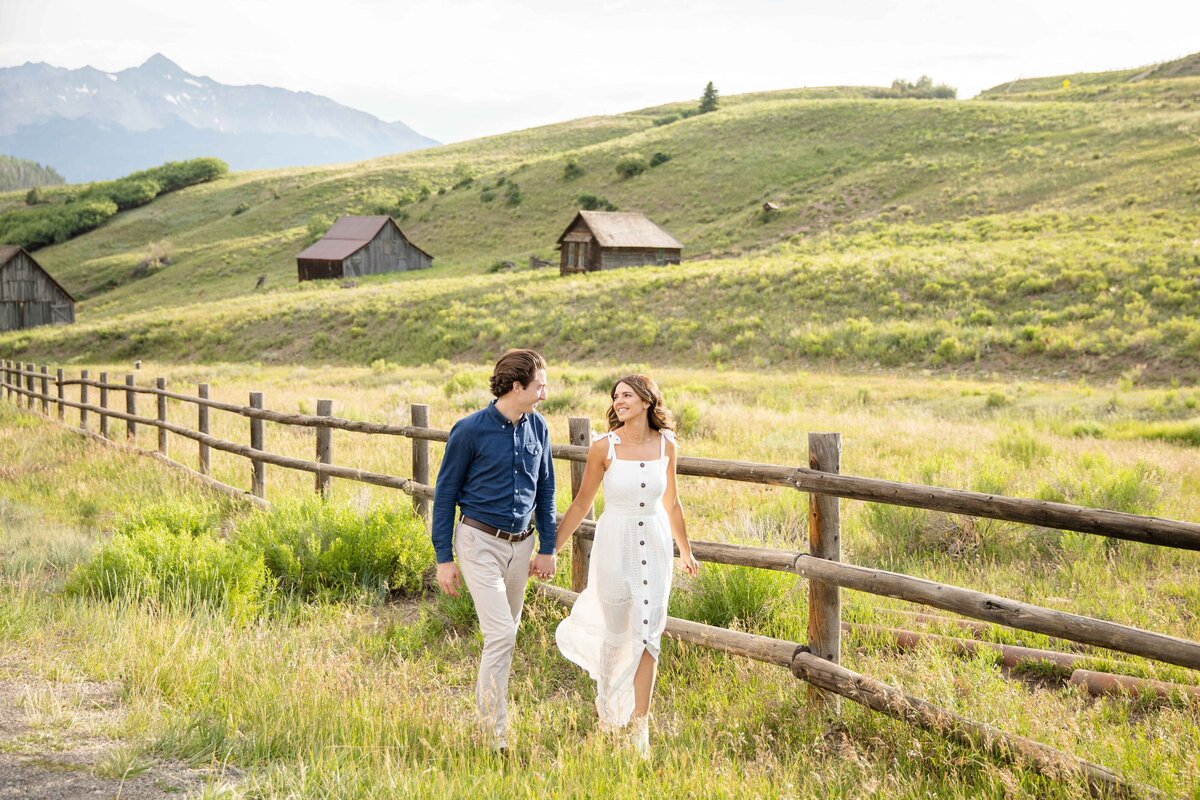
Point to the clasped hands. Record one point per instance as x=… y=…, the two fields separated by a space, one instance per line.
x=542 y=566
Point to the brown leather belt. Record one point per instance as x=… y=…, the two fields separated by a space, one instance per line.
x=499 y=534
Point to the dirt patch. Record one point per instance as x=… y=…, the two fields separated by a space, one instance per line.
x=56 y=743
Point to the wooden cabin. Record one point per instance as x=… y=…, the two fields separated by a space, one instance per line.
x=28 y=295
x=357 y=246
x=598 y=240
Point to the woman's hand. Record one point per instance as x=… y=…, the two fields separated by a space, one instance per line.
x=690 y=565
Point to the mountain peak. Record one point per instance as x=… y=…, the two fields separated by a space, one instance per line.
x=159 y=61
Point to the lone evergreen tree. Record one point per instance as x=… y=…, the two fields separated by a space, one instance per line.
x=709 y=101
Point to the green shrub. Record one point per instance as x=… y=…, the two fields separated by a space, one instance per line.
x=743 y=597
x=667 y=120
x=126 y=193
x=1097 y=483
x=41 y=225
x=176 y=175
x=317 y=225
x=36 y=197
x=572 y=170
x=512 y=195
x=240 y=208
x=632 y=164
x=590 y=202
x=174 y=557
x=463 y=382
x=659 y=158
x=1022 y=447
x=315 y=548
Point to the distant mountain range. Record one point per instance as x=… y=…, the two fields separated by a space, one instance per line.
x=95 y=125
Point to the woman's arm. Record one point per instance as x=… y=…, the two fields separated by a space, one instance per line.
x=593 y=474
x=674 y=508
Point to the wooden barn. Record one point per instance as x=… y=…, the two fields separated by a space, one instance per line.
x=609 y=239
x=357 y=246
x=28 y=295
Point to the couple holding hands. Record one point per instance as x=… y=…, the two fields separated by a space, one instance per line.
x=497 y=472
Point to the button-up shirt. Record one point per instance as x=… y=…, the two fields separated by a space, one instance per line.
x=498 y=472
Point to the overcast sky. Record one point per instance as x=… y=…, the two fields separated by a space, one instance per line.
x=457 y=69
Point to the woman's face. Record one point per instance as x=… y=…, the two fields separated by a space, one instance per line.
x=627 y=403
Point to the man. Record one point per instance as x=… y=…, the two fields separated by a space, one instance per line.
x=497 y=469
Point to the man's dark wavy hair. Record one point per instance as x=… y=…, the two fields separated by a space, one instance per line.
x=515 y=366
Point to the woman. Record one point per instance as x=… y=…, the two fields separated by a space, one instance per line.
x=615 y=629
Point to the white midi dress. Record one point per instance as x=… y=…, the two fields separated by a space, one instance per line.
x=623 y=610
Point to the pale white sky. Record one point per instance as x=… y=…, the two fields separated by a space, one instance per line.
x=458 y=69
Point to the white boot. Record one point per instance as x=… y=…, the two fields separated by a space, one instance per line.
x=641 y=736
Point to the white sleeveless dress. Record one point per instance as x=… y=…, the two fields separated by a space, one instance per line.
x=623 y=610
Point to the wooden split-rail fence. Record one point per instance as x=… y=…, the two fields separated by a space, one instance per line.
x=816 y=662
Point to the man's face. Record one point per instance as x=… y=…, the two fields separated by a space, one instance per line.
x=528 y=397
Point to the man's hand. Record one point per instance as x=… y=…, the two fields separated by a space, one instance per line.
x=543 y=566
x=449 y=578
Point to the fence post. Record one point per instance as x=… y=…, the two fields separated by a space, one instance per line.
x=202 y=426
x=29 y=385
x=161 y=385
x=825 y=541
x=4 y=380
x=581 y=549
x=259 y=485
x=62 y=409
x=45 y=390
x=83 y=399
x=104 y=404
x=420 y=459
x=324 y=447
x=130 y=408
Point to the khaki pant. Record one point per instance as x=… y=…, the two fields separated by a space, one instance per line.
x=496 y=573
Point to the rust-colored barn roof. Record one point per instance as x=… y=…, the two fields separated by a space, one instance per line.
x=623 y=229
x=347 y=236
x=9 y=251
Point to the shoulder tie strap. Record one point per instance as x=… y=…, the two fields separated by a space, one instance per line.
x=667 y=436
x=613 y=441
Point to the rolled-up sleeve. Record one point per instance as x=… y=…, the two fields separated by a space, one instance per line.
x=544 y=514
x=450 y=479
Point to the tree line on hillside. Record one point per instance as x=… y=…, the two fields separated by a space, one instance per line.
x=924 y=88
x=17 y=173
x=58 y=214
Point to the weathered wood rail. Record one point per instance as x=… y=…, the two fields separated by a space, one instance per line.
x=816 y=663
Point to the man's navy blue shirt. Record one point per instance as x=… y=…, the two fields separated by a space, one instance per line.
x=497 y=472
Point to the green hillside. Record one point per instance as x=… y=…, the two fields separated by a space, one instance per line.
x=995 y=233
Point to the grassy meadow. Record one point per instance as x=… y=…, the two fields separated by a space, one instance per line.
x=369 y=694
x=996 y=294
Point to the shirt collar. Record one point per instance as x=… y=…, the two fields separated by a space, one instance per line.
x=495 y=414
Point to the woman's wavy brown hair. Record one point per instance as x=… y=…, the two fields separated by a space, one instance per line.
x=658 y=415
